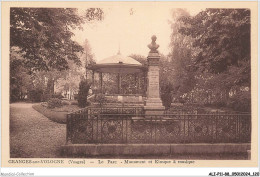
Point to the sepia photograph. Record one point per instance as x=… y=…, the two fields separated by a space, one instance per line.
x=132 y=82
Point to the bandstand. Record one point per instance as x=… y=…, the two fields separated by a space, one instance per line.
x=120 y=66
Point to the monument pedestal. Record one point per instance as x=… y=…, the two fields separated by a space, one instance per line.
x=153 y=104
x=153 y=111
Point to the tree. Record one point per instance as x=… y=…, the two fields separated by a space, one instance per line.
x=182 y=73
x=68 y=83
x=88 y=57
x=20 y=80
x=222 y=61
x=83 y=93
x=166 y=80
x=44 y=36
x=223 y=35
x=176 y=74
x=94 y=14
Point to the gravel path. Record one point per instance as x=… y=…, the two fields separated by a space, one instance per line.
x=33 y=135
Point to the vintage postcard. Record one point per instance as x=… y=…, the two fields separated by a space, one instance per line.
x=129 y=84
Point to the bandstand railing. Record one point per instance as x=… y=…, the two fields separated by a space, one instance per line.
x=97 y=126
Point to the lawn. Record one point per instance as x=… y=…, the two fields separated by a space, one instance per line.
x=56 y=114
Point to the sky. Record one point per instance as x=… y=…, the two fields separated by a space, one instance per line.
x=129 y=29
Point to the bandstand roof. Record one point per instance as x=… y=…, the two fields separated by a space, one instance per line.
x=118 y=64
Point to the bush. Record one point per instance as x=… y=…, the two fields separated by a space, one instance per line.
x=181 y=100
x=57 y=95
x=36 y=95
x=47 y=96
x=76 y=96
x=74 y=102
x=166 y=95
x=100 y=99
x=219 y=104
x=54 y=103
x=83 y=93
x=241 y=102
x=14 y=94
x=64 y=102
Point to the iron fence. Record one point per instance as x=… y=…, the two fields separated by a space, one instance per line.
x=124 y=128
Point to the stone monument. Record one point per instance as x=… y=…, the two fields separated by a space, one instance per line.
x=153 y=104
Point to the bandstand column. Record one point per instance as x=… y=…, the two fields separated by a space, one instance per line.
x=139 y=84
x=136 y=84
x=153 y=104
x=93 y=82
x=119 y=83
x=101 y=82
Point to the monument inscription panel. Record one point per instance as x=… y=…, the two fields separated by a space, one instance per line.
x=153 y=82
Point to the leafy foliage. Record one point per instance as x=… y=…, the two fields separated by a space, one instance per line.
x=101 y=99
x=165 y=80
x=44 y=36
x=87 y=58
x=219 y=55
x=36 y=95
x=57 y=95
x=240 y=102
x=110 y=83
x=94 y=14
x=20 y=80
x=166 y=94
x=223 y=35
x=178 y=69
x=42 y=49
x=68 y=81
x=54 y=103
